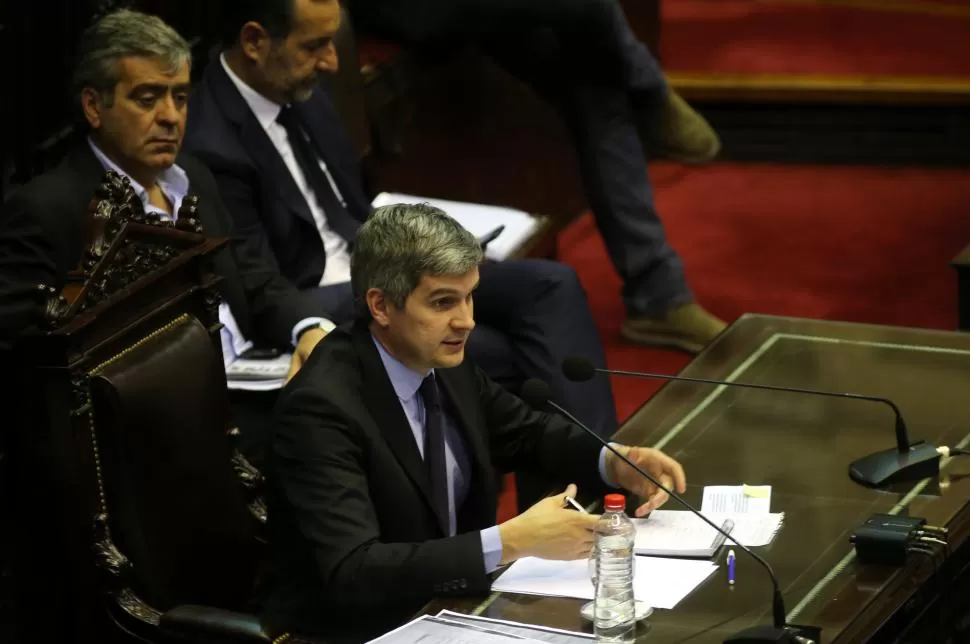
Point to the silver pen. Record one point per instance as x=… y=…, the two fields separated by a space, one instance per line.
x=571 y=501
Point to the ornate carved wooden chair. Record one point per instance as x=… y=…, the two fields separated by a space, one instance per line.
x=156 y=521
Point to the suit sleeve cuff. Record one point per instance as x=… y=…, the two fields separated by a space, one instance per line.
x=308 y=323
x=604 y=475
x=491 y=548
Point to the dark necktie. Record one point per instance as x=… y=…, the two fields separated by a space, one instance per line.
x=434 y=449
x=338 y=218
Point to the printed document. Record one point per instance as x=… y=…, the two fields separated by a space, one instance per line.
x=658 y=582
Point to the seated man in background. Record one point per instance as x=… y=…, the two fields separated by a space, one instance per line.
x=132 y=81
x=583 y=57
x=269 y=133
x=381 y=474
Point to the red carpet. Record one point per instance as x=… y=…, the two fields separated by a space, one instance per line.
x=867 y=37
x=857 y=244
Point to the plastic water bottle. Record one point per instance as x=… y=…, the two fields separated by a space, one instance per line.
x=614 y=608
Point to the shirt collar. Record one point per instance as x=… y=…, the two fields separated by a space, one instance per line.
x=173 y=181
x=405 y=380
x=264 y=109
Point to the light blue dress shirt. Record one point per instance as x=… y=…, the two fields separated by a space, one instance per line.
x=406 y=382
x=174 y=183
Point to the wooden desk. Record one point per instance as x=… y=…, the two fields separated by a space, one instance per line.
x=962 y=265
x=801 y=445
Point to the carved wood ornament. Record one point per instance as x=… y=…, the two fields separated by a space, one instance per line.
x=123 y=244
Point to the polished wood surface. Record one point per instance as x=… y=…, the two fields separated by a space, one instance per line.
x=874 y=90
x=802 y=445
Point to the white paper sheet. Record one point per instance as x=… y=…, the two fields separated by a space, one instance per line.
x=233 y=345
x=532 y=631
x=659 y=582
x=671 y=530
x=479 y=219
x=740 y=499
x=673 y=533
x=432 y=630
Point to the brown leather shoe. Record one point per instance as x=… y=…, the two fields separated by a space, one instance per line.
x=688 y=328
x=675 y=131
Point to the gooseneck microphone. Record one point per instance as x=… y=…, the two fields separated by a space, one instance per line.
x=907 y=462
x=537 y=394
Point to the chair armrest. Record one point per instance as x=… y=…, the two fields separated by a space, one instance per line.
x=213 y=625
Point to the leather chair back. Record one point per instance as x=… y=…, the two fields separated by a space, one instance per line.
x=174 y=505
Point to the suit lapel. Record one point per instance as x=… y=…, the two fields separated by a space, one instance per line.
x=256 y=142
x=384 y=406
x=82 y=161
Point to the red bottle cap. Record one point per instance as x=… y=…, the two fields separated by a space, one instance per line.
x=614 y=502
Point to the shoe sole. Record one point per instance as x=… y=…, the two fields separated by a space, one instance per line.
x=662 y=341
x=695 y=159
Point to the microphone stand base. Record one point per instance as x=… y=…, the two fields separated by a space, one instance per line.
x=920 y=461
x=791 y=634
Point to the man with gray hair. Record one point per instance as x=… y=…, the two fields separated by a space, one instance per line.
x=132 y=82
x=382 y=468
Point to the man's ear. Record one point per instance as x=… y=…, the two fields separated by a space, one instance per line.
x=92 y=106
x=378 y=305
x=254 y=41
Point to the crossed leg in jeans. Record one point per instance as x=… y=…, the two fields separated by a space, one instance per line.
x=583 y=57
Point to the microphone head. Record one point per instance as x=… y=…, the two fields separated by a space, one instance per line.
x=578 y=369
x=536 y=393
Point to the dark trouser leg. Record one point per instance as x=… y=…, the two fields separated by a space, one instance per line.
x=252 y=411
x=614 y=172
x=601 y=123
x=541 y=308
x=598 y=38
x=338 y=301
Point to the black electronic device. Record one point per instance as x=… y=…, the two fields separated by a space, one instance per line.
x=887 y=539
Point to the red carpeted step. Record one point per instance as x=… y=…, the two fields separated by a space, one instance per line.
x=889 y=38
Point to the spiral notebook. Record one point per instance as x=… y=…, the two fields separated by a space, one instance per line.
x=675 y=533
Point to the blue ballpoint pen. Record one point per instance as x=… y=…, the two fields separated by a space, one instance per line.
x=730 y=563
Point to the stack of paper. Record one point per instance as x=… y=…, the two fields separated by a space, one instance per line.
x=440 y=631
x=531 y=631
x=454 y=628
x=741 y=510
x=258 y=375
x=247 y=374
x=478 y=219
x=658 y=582
x=674 y=533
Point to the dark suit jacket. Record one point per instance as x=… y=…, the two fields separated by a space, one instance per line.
x=255 y=183
x=356 y=546
x=41 y=238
